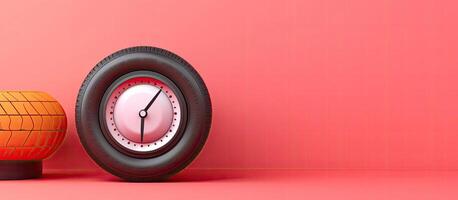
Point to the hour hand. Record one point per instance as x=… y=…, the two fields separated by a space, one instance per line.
x=152 y=100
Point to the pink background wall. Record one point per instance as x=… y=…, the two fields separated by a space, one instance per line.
x=295 y=84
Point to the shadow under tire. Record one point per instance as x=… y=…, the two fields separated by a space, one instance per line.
x=191 y=134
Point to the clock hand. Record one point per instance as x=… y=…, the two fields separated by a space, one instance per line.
x=152 y=100
x=142 y=128
x=143 y=113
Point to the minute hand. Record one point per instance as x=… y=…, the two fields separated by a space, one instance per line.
x=152 y=100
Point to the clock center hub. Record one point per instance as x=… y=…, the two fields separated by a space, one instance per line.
x=143 y=113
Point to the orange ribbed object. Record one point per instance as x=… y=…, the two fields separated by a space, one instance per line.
x=32 y=127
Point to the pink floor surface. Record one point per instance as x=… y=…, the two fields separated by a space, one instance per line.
x=242 y=184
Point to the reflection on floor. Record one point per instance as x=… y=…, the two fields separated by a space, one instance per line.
x=242 y=184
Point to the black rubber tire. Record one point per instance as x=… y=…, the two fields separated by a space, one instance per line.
x=195 y=133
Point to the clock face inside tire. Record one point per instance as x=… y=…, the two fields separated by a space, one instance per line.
x=143 y=114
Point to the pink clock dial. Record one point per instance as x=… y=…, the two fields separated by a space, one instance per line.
x=142 y=114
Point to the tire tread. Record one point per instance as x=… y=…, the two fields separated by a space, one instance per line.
x=32 y=125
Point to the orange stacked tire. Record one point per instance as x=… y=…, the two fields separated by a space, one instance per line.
x=32 y=127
